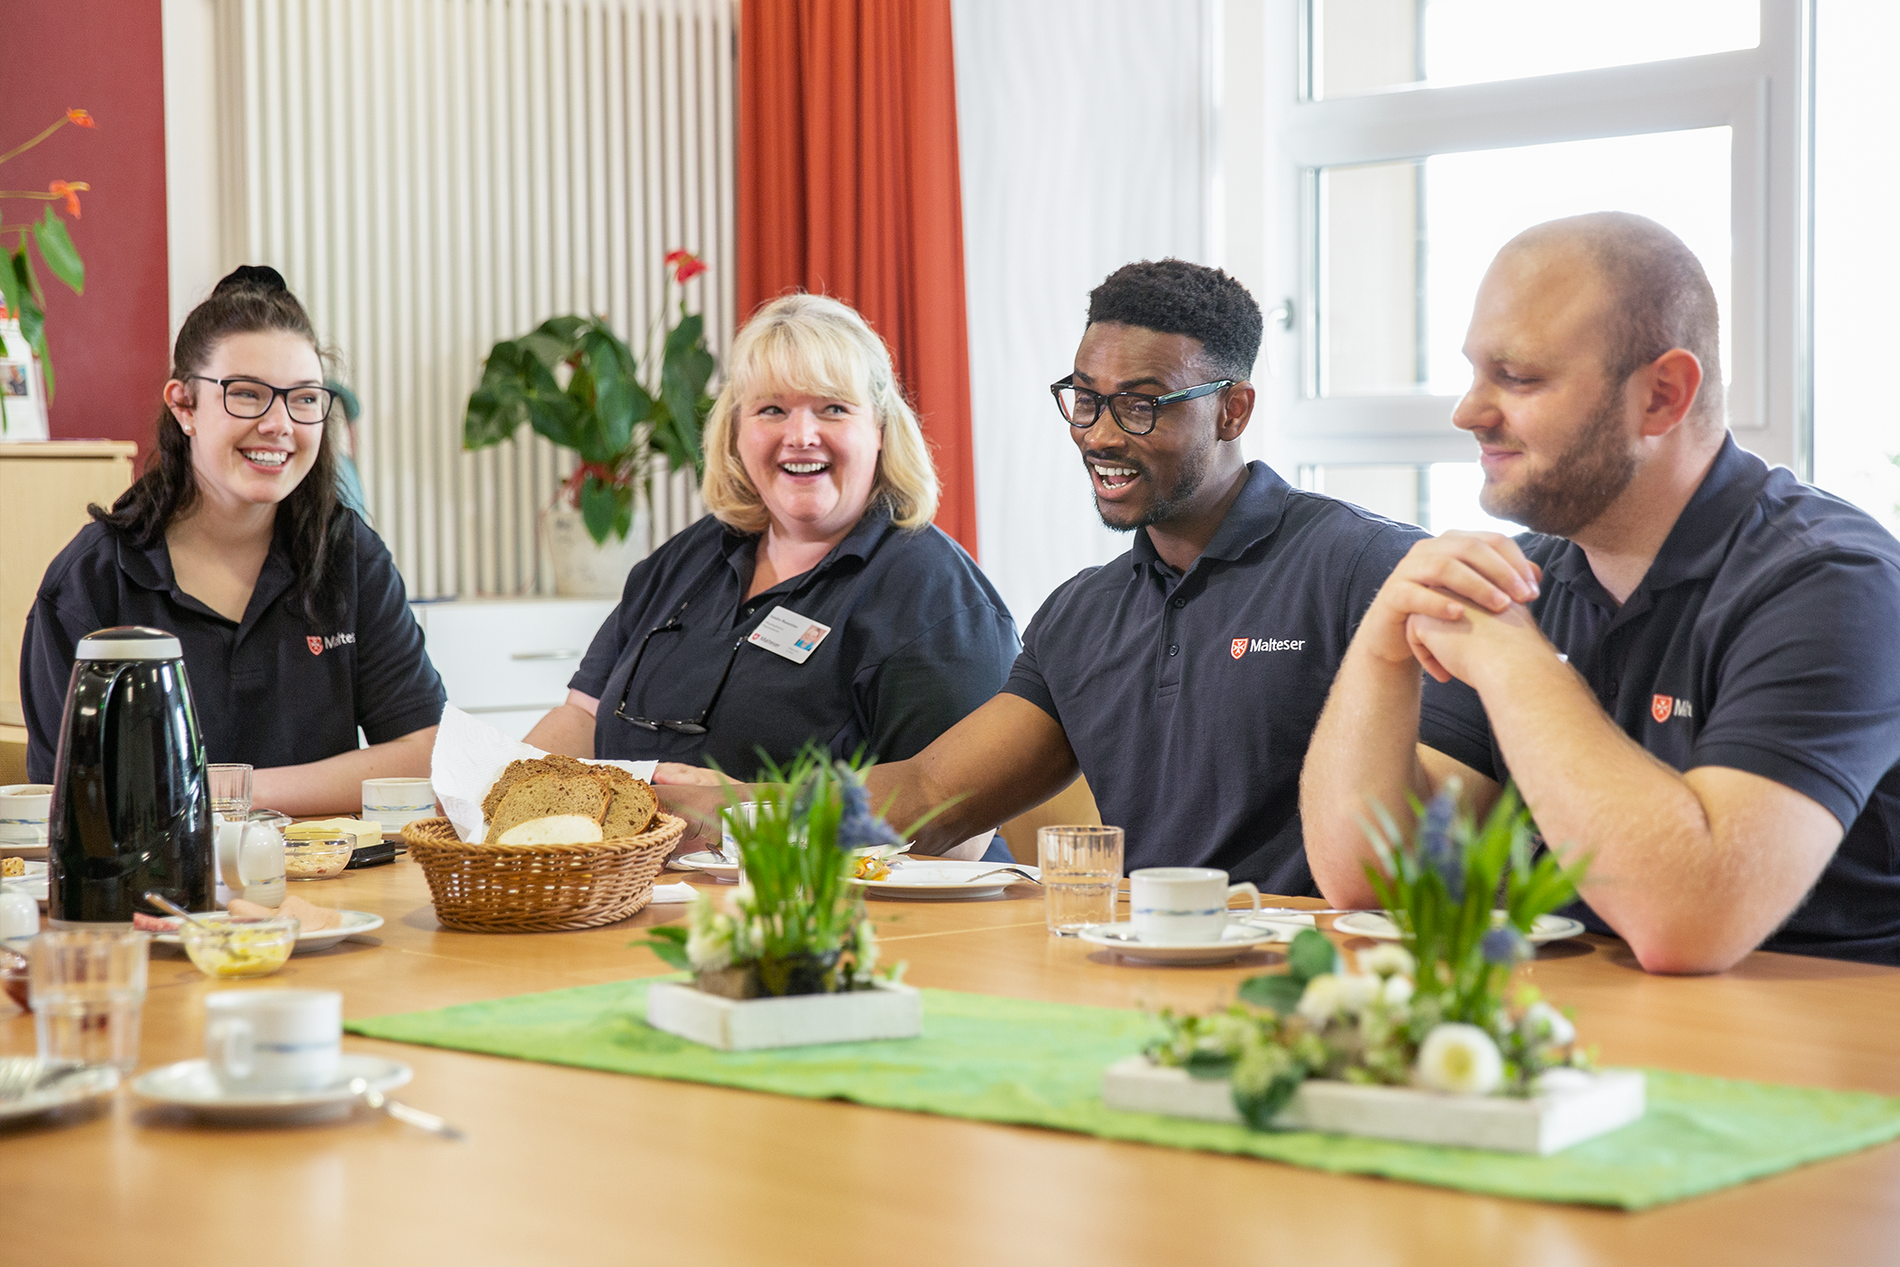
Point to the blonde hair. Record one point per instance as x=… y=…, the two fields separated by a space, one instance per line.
x=816 y=345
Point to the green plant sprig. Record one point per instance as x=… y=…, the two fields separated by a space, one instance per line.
x=1442 y=885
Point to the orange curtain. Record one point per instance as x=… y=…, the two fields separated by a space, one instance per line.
x=848 y=186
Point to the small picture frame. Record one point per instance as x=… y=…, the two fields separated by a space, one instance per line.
x=22 y=387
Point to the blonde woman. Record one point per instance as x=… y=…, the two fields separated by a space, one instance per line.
x=816 y=602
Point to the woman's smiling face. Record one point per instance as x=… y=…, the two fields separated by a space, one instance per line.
x=249 y=461
x=813 y=460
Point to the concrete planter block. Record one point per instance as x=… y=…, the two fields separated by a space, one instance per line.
x=1541 y=1124
x=883 y=1011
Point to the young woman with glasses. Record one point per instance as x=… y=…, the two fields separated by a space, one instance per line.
x=816 y=602
x=293 y=620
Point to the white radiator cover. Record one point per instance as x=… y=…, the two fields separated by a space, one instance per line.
x=434 y=175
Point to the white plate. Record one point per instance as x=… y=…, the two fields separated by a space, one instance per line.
x=1235 y=940
x=33 y=883
x=711 y=863
x=190 y=1084
x=74 y=1087
x=354 y=922
x=943 y=878
x=1375 y=924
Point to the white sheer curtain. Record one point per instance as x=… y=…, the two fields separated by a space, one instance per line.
x=1086 y=136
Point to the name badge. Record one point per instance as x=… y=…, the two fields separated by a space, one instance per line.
x=784 y=632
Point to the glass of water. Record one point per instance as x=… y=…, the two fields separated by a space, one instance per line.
x=88 y=988
x=230 y=788
x=1081 y=870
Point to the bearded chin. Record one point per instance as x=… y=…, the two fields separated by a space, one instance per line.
x=1567 y=496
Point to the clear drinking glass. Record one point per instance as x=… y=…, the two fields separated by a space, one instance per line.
x=88 y=988
x=1081 y=870
x=230 y=787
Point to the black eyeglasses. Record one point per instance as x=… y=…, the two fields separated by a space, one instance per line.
x=250 y=398
x=698 y=725
x=1133 y=412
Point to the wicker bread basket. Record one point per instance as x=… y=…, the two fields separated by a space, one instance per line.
x=539 y=888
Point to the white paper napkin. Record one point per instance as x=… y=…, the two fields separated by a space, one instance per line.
x=470 y=754
x=673 y=892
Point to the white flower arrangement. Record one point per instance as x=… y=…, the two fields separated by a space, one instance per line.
x=1429 y=1013
x=1368 y=1027
x=795 y=924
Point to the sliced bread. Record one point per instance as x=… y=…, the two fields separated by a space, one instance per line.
x=633 y=806
x=555 y=829
x=553 y=763
x=547 y=795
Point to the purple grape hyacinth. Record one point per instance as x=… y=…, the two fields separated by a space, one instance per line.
x=1436 y=848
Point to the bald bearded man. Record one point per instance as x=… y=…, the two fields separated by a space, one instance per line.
x=1685 y=664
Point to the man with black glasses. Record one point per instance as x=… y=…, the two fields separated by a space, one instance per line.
x=1183 y=679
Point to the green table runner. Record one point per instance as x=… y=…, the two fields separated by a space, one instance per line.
x=1040 y=1064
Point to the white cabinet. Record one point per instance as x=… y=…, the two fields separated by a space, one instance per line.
x=508 y=660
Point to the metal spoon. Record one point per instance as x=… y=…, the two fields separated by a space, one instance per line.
x=369 y=1095
x=170 y=907
x=21 y=1076
x=1015 y=871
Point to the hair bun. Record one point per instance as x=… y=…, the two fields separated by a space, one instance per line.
x=251 y=277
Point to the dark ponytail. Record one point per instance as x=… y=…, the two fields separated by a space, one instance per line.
x=251 y=300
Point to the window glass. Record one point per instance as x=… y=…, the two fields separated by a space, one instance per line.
x=1856 y=258
x=1362 y=46
x=1404 y=245
x=1437 y=496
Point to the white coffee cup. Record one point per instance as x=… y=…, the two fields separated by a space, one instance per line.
x=273 y=1040
x=1178 y=905
x=23 y=811
x=394 y=802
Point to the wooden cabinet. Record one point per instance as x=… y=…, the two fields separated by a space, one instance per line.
x=507 y=661
x=44 y=488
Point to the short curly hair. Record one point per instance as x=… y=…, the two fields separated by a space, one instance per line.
x=1176 y=297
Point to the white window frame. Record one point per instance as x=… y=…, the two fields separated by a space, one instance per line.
x=1763 y=94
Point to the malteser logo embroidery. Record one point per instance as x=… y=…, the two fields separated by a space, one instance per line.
x=1241 y=646
x=1663 y=707
x=320 y=645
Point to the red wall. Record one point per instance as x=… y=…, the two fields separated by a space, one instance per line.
x=109 y=346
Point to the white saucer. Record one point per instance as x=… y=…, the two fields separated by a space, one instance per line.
x=87 y=1084
x=941 y=878
x=189 y=1084
x=1235 y=940
x=713 y=864
x=354 y=922
x=1377 y=925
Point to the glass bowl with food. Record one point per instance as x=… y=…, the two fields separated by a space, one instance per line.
x=316 y=859
x=224 y=947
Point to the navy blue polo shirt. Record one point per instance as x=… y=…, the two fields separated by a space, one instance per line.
x=1189 y=698
x=919 y=639
x=1761 y=639
x=272 y=689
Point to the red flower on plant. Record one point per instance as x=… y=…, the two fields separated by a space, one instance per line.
x=63 y=189
x=80 y=118
x=686 y=265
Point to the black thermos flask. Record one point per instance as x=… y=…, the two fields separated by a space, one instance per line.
x=131 y=810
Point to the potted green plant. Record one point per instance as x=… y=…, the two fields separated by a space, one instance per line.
x=577 y=383
x=1425 y=1042
x=792 y=958
x=24 y=361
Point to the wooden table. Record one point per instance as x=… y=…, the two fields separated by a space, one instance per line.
x=572 y=1165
